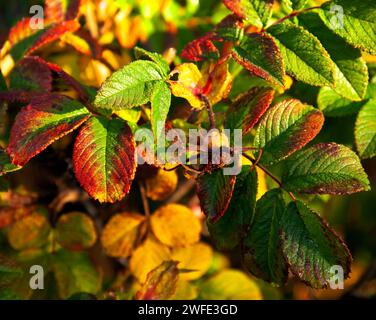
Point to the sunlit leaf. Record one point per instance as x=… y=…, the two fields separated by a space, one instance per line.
x=365 y=130
x=175 y=225
x=161 y=185
x=121 y=233
x=104 y=158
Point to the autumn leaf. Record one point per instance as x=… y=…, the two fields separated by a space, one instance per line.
x=104 y=158
x=214 y=81
x=161 y=282
x=46 y=119
x=121 y=232
x=161 y=185
x=175 y=225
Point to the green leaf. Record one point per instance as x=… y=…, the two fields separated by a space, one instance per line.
x=257 y=12
x=351 y=72
x=9 y=270
x=247 y=109
x=48 y=118
x=228 y=231
x=365 y=130
x=258 y=53
x=358 y=25
x=129 y=87
x=304 y=56
x=104 y=158
x=75 y=231
x=325 y=168
x=3 y=85
x=262 y=252
x=230 y=284
x=74 y=273
x=160 y=105
x=285 y=128
x=295 y=4
x=5 y=163
x=153 y=56
x=310 y=247
x=334 y=105
x=215 y=191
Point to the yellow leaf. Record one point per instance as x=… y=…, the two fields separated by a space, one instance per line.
x=175 y=225
x=161 y=185
x=230 y=284
x=160 y=283
x=262 y=186
x=185 y=291
x=197 y=257
x=29 y=232
x=214 y=81
x=120 y=234
x=149 y=255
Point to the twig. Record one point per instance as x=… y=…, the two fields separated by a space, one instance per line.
x=184 y=189
x=271 y=175
x=145 y=201
x=209 y=108
x=292 y=15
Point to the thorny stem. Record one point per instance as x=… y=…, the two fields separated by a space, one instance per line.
x=209 y=109
x=292 y=15
x=271 y=175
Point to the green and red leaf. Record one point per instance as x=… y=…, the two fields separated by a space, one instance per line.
x=285 y=128
x=257 y=12
x=61 y=10
x=104 y=158
x=248 y=108
x=47 y=118
x=258 y=53
x=215 y=191
x=262 y=250
x=232 y=227
x=311 y=247
x=201 y=49
x=325 y=168
x=5 y=164
x=31 y=74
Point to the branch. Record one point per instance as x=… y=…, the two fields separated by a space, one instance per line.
x=209 y=109
x=271 y=175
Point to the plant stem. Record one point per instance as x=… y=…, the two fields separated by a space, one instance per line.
x=292 y=15
x=271 y=175
x=145 y=201
x=210 y=110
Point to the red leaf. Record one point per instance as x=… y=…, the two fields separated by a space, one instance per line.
x=248 y=108
x=58 y=10
x=215 y=191
x=47 y=118
x=104 y=158
x=201 y=48
x=31 y=74
x=53 y=33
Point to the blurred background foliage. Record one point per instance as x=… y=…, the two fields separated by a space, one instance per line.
x=34 y=205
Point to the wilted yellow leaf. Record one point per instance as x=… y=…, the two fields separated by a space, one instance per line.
x=30 y=232
x=120 y=234
x=230 y=284
x=161 y=185
x=147 y=257
x=214 y=81
x=176 y=225
x=76 y=231
x=161 y=282
x=197 y=257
